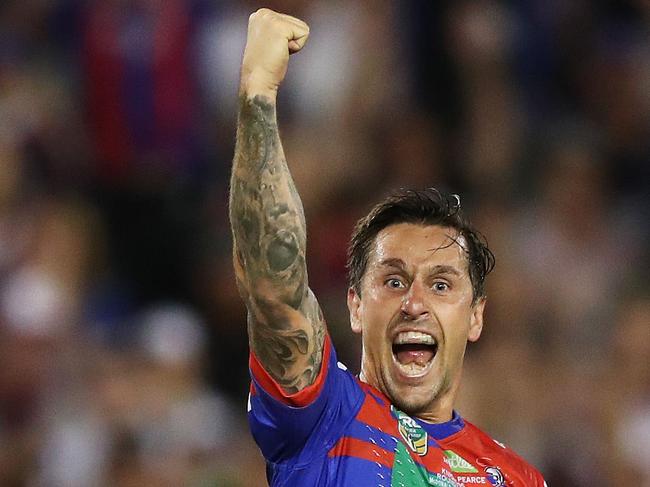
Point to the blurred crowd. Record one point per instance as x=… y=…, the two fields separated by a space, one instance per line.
x=123 y=349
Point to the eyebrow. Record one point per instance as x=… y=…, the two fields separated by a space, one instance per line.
x=392 y=262
x=445 y=269
x=436 y=269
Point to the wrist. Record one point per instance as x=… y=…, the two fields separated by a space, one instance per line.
x=254 y=84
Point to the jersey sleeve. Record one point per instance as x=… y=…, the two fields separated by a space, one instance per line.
x=311 y=420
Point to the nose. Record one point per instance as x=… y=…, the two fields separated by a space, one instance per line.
x=414 y=304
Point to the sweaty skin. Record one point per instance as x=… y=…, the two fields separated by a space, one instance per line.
x=416 y=280
x=285 y=325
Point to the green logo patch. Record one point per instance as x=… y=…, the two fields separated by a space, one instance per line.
x=458 y=464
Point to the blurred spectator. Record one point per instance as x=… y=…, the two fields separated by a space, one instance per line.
x=142 y=416
x=141 y=92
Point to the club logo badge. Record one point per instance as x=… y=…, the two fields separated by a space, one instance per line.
x=414 y=435
x=495 y=477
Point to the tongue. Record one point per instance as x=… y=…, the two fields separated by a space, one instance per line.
x=420 y=354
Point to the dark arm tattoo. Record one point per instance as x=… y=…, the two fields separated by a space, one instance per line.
x=285 y=325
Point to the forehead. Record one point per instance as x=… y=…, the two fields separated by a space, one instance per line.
x=420 y=245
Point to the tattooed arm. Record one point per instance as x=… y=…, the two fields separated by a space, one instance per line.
x=285 y=326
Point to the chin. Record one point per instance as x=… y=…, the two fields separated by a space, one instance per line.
x=413 y=400
x=412 y=407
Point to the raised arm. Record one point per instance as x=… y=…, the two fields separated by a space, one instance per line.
x=285 y=326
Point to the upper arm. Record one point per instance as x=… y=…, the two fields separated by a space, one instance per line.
x=288 y=342
x=286 y=328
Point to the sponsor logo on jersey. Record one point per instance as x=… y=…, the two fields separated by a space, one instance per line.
x=471 y=479
x=495 y=477
x=440 y=480
x=457 y=463
x=414 y=435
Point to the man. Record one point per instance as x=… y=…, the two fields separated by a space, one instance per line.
x=416 y=297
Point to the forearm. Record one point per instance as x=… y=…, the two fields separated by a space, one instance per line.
x=266 y=214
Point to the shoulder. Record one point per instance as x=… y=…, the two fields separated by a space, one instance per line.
x=291 y=427
x=498 y=459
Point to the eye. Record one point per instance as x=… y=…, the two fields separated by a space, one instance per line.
x=394 y=283
x=440 y=286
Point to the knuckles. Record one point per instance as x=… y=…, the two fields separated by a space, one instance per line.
x=264 y=11
x=263 y=15
x=268 y=17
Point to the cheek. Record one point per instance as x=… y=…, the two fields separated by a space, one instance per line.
x=460 y=300
x=376 y=317
x=456 y=325
x=372 y=292
x=371 y=317
x=374 y=304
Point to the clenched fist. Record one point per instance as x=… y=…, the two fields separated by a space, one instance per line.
x=271 y=38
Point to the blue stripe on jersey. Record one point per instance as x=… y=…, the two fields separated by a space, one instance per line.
x=365 y=432
x=356 y=472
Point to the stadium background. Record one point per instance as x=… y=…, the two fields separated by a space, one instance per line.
x=123 y=355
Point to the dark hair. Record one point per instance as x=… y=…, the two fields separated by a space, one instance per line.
x=426 y=207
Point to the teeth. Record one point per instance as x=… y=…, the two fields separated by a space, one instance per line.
x=414 y=337
x=413 y=369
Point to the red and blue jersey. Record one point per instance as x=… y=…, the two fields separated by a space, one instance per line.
x=342 y=432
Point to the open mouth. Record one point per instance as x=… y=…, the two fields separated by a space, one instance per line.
x=414 y=352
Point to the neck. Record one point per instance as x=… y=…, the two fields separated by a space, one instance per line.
x=440 y=410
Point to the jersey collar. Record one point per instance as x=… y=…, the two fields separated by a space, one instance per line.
x=440 y=431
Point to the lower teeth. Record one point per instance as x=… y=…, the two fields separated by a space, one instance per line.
x=414 y=367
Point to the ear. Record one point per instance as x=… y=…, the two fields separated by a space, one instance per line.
x=476 y=320
x=354 y=305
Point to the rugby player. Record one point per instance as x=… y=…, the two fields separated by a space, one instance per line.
x=416 y=296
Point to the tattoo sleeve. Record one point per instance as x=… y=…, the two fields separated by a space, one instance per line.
x=285 y=325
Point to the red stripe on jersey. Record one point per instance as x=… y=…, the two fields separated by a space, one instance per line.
x=375 y=414
x=380 y=417
x=352 y=447
x=301 y=398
